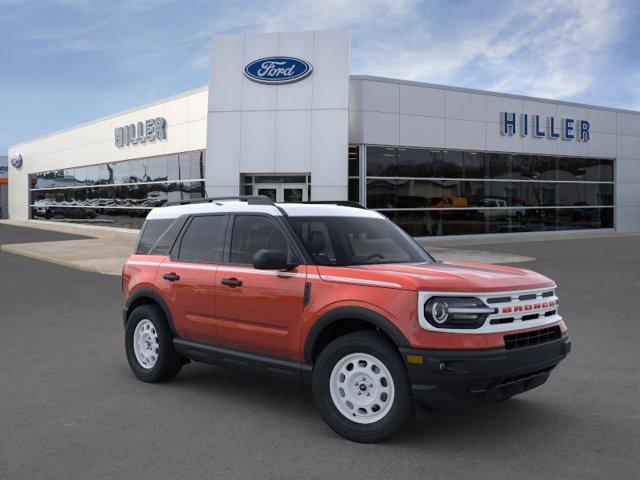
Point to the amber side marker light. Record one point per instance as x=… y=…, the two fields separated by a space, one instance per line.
x=415 y=359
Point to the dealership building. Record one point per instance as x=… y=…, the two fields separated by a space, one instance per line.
x=4 y=187
x=283 y=117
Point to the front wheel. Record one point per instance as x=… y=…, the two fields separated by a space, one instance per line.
x=361 y=387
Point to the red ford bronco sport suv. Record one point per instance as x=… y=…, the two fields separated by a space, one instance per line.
x=339 y=297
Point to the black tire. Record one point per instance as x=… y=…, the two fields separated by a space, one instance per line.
x=379 y=346
x=168 y=363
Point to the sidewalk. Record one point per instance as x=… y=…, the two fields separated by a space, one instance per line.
x=105 y=252
x=521 y=237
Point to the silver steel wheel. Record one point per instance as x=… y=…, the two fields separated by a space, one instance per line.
x=362 y=388
x=145 y=344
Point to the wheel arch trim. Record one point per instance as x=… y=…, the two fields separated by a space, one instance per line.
x=148 y=293
x=351 y=313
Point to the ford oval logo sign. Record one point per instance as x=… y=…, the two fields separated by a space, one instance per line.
x=278 y=70
x=16 y=160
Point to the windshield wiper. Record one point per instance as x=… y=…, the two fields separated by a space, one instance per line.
x=383 y=262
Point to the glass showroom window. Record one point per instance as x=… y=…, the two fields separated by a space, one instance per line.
x=450 y=192
x=354 y=173
x=118 y=194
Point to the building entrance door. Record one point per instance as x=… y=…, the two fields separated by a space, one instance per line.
x=283 y=192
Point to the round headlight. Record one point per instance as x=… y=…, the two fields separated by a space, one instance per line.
x=456 y=312
x=439 y=311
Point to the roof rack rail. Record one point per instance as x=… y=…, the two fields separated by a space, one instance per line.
x=250 y=199
x=341 y=203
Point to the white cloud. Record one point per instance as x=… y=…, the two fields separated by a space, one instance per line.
x=542 y=47
x=546 y=49
x=631 y=85
x=557 y=49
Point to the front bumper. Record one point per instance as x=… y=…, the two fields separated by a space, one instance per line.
x=449 y=380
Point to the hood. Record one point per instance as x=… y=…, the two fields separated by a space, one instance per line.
x=443 y=276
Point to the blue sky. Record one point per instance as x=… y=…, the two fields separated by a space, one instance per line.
x=65 y=62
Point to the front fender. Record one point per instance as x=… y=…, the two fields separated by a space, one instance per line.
x=351 y=312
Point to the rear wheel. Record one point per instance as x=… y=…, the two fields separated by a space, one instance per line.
x=361 y=387
x=149 y=345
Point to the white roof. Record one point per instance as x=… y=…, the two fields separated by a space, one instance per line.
x=236 y=206
x=325 y=210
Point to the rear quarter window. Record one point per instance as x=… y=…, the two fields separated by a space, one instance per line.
x=151 y=232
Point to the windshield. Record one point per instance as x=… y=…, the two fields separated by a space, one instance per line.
x=343 y=241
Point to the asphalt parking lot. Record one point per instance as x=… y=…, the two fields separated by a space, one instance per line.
x=70 y=408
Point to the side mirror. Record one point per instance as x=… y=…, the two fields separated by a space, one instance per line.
x=266 y=259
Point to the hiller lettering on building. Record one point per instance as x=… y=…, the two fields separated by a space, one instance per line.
x=147 y=131
x=551 y=127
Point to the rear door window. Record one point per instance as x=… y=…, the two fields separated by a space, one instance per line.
x=203 y=241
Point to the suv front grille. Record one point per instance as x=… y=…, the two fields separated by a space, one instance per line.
x=513 y=311
x=521 y=307
x=534 y=337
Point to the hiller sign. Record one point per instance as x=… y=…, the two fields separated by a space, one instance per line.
x=551 y=128
x=147 y=131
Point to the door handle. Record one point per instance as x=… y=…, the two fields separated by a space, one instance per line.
x=231 y=282
x=172 y=277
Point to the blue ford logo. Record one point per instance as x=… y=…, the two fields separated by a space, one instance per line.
x=277 y=70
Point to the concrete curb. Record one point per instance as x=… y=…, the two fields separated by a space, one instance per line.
x=478 y=256
x=522 y=237
x=94 y=231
